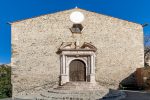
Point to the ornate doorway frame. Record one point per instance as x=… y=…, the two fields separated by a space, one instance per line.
x=71 y=51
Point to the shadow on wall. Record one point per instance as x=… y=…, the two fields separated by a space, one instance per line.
x=130 y=83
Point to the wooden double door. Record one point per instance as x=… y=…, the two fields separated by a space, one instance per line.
x=77 y=71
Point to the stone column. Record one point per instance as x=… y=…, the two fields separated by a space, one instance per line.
x=92 y=74
x=64 y=64
x=88 y=68
x=64 y=76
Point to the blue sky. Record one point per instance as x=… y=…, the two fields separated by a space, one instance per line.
x=12 y=10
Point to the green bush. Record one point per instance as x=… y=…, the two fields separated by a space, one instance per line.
x=5 y=81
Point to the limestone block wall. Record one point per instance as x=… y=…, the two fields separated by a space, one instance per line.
x=35 y=42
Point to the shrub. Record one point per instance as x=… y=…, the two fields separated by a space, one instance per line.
x=5 y=81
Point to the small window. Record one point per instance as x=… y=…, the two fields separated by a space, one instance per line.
x=76 y=28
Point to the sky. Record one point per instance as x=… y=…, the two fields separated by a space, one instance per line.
x=12 y=10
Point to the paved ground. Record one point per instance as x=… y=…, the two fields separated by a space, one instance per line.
x=135 y=95
x=130 y=95
x=6 y=99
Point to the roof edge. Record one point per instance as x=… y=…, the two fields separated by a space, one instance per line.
x=71 y=9
x=44 y=14
x=113 y=17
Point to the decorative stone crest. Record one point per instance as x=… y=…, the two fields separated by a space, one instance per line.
x=75 y=46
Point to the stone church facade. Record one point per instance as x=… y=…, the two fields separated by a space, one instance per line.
x=47 y=52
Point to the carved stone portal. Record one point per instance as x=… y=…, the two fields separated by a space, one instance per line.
x=81 y=57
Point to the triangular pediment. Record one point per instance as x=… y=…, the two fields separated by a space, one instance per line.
x=64 y=12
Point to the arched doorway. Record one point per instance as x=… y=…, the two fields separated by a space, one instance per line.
x=77 y=71
x=77 y=62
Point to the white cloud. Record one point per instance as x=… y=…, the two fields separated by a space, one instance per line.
x=1 y=63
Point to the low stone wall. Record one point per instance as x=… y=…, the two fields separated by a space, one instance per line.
x=143 y=77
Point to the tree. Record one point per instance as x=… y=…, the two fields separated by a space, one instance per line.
x=5 y=81
x=146 y=50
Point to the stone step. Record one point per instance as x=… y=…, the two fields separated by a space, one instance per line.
x=79 y=86
x=79 y=83
x=72 y=95
x=76 y=95
x=77 y=91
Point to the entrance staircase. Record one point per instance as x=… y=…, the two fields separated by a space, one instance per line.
x=72 y=91
x=79 y=86
x=75 y=91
